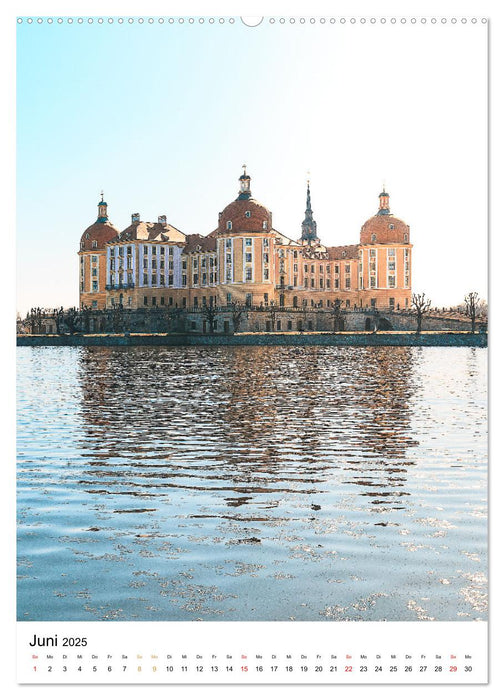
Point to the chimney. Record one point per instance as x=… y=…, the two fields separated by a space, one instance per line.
x=162 y=219
x=135 y=217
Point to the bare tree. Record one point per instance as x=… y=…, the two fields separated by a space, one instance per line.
x=336 y=313
x=210 y=313
x=472 y=308
x=419 y=307
x=272 y=313
x=237 y=314
x=71 y=318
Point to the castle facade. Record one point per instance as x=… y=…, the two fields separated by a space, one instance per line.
x=244 y=261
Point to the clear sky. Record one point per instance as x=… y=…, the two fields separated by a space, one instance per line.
x=162 y=116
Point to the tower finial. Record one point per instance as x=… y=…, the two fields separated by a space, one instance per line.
x=384 y=202
x=102 y=210
x=244 y=180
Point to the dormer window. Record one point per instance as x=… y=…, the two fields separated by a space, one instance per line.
x=265 y=225
x=94 y=244
x=373 y=238
x=247 y=214
x=391 y=226
x=405 y=237
x=229 y=225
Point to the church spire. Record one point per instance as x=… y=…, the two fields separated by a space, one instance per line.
x=309 y=225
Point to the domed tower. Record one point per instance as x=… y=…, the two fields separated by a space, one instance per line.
x=92 y=259
x=245 y=249
x=385 y=259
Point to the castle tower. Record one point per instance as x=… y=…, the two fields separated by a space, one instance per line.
x=309 y=225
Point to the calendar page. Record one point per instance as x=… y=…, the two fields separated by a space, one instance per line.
x=252 y=338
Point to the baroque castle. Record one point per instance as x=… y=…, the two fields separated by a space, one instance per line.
x=244 y=261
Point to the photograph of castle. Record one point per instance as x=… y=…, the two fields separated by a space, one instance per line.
x=251 y=409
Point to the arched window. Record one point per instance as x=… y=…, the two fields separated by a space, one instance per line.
x=94 y=244
x=229 y=225
x=294 y=302
x=247 y=214
x=373 y=238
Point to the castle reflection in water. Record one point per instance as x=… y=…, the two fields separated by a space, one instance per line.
x=240 y=483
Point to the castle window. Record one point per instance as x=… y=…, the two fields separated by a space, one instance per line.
x=248 y=257
x=94 y=244
x=228 y=243
x=229 y=225
x=95 y=286
x=248 y=274
x=373 y=238
x=265 y=225
x=405 y=237
x=145 y=301
x=247 y=214
x=248 y=241
x=94 y=258
x=391 y=226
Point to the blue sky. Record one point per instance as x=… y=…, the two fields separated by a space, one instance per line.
x=162 y=116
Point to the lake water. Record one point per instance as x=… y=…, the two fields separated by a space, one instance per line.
x=241 y=483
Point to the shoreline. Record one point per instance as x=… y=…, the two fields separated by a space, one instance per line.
x=350 y=339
